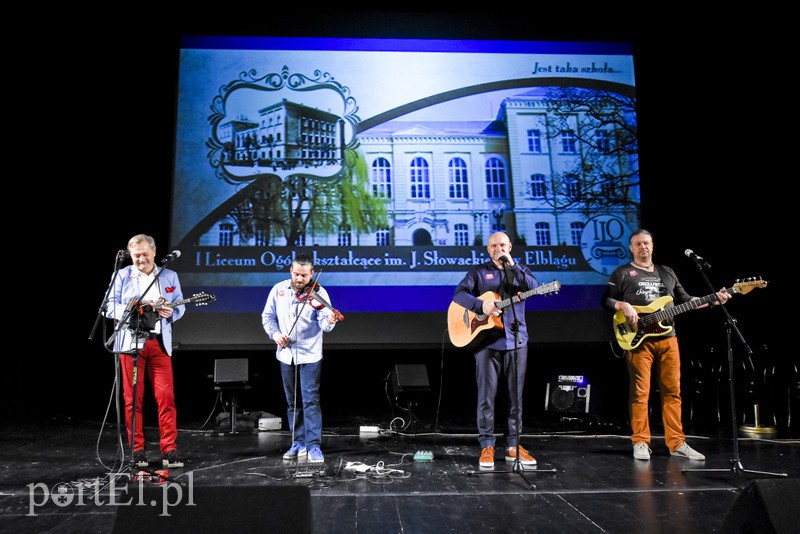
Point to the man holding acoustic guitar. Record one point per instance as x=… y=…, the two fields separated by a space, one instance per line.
x=634 y=290
x=478 y=296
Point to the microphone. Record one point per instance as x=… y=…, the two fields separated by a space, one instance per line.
x=123 y=254
x=703 y=263
x=503 y=259
x=171 y=256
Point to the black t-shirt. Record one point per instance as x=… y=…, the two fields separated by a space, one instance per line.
x=638 y=287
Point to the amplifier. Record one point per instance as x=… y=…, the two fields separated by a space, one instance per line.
x=567 y=397
x=231 y=370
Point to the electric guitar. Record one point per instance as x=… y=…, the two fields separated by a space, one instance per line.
x=629 y=336
x=464 y=325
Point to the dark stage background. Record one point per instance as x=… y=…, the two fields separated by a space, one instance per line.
x=100 y=130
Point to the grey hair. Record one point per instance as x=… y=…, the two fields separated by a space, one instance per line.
x=138 y=238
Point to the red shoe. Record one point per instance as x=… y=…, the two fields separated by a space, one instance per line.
x=525 y=457
x=487 y=457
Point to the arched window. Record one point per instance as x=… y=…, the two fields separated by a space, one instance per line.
x=495 y=172
x=382 y=237
x=345 y=235
x=461 y=232
x=260 y=238
x=542 y=232
x=381 y=178
x=575 y=231
x=420 y=178
x=459 y=179
x=572 y=187
x=225 y=235
x=537 y=188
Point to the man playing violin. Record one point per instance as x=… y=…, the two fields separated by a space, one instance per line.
x=295 y=316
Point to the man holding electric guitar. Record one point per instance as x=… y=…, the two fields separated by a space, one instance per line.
x=479 y=293
x=633 y=288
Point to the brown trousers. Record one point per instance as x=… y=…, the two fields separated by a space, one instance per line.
x=663 y=353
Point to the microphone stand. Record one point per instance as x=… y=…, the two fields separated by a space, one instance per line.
x=730 y=325
x=136 y=338
x=517 y=466
x=101 y=312
x=311 y=285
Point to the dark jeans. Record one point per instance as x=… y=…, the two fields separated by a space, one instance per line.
x=488 y=365
x=304 y=413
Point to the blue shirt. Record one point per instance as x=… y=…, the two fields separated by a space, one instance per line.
x=303 y=321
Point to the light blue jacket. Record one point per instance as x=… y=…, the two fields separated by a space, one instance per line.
x=125 y=289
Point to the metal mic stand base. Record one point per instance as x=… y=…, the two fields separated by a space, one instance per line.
x=516 y=468
x=135 y=472
x=736 y=465
x=736 y=469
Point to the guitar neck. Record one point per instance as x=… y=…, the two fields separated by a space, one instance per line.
x=198 y=298
x=173 y=304
x=521 y=296
x=672 y=311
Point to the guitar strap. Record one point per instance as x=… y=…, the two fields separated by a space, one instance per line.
x=507 y=287
x=668 y=282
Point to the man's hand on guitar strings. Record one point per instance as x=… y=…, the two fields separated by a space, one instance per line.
x=629 y=312
x=490 y=308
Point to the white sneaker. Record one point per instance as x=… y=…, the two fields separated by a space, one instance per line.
x=641 y=451
x=685 y=451
x=296 y=452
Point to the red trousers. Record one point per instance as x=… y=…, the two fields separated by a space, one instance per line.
x=662 y=353
x=158 y=365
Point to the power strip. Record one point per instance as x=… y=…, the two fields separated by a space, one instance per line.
x=366 y=429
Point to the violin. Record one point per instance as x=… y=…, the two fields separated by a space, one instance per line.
x=304 y=293
x=309 y=292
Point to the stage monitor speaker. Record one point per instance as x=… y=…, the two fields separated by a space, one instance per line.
x=567 y=397
x=171 y=508
x=765 y=506
x=230 y=370
x=408 y=378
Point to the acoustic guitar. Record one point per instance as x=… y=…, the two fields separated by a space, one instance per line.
x=464 y=325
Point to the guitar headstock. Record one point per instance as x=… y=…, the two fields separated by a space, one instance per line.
x=202 y=299
x=550 y=287
x=748 y=285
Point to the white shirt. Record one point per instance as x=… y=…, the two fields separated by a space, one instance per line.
x=153 y=294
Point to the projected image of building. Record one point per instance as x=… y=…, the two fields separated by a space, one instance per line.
x=550 y=161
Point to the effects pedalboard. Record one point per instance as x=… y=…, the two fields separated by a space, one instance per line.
x=307 y=471
x=423 y=456
x=156 y=476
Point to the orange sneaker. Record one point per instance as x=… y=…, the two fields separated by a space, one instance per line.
x=487 y=457
x=525 y=457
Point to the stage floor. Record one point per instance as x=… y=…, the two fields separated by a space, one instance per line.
x=586 y=481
